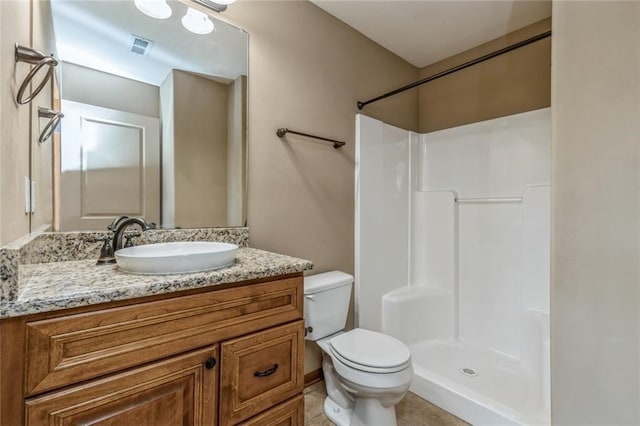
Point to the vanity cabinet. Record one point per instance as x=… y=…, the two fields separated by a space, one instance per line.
x=222 y=356
x=178 y=391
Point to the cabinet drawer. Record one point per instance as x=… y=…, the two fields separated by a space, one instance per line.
x=261 y=370
x=290 y=413
x=70 y=349
x=178 y=391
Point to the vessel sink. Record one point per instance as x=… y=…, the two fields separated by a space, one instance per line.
x=176 y=258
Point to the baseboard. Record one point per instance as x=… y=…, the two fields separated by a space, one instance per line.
x=313 y=377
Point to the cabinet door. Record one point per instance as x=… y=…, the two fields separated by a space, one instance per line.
x=290 y=413
x=261 y=370
x=178 y=391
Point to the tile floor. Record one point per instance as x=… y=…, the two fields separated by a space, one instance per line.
x=412 y=411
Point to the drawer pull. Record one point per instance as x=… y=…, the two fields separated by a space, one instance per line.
x=210 y=363
x=267 y=372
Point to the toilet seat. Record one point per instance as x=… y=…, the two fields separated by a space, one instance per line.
x=370 y=351
x=354 y=375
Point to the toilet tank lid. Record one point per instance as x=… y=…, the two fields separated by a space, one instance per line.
x=326 y=281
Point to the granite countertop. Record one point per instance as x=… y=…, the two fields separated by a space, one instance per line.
x=62 y=285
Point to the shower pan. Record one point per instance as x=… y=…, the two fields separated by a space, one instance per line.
x=452 y=258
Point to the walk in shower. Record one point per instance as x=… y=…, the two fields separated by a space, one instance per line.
x=452 y=258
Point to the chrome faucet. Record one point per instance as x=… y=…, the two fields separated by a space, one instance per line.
x=123 y=222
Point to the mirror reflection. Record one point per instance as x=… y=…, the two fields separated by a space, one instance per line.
x=155 y=115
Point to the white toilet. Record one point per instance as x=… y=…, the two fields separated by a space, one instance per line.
x=367 y=373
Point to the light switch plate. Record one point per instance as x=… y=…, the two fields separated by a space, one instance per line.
x=34 y=191
x=27 y=195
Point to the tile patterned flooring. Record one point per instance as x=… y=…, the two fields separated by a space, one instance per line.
x=411 y=411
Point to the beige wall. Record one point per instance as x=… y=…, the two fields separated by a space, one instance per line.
x=29 y=24
x=42 y=38
x=200 y=150
x=595 y=303
x=14 y=121
x=237 y=152
x=515 y=82
x=307 y=70
x=168 y=187
x=102 y=89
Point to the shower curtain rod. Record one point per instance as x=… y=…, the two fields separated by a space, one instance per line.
x=362 y=104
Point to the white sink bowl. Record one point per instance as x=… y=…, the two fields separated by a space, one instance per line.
x=176 y=258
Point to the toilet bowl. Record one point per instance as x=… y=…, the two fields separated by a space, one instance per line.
x=371 y=371
x=366 y=372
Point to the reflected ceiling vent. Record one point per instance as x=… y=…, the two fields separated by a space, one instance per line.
x=216 y=6
x=140 y=45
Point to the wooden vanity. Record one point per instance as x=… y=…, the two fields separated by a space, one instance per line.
x=222 y=355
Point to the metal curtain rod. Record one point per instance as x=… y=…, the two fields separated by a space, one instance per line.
x=283 y=131
x=362 y=104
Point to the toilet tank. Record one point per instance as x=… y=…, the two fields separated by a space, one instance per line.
x=326 y=303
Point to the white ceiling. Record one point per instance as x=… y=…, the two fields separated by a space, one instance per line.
x=424 y=31
x=98 y=34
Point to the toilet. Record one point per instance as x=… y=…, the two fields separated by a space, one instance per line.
x=366 y=372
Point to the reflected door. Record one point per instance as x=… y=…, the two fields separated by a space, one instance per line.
x=110 y=165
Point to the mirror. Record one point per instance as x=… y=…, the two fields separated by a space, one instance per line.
x=155 y=116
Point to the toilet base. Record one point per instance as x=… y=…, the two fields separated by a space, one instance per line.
x=366 y=412
x=338 y=415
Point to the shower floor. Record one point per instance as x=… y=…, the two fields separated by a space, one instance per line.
x=501 y=392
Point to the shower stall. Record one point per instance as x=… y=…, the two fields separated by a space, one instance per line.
x=452 y=258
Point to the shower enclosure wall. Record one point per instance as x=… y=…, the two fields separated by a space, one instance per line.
x=452 y=258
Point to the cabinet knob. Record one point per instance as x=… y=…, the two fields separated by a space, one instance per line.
x=210 y=363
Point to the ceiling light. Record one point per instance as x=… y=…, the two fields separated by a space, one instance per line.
x=225 y=2
x=158 y=9
x=197 y=22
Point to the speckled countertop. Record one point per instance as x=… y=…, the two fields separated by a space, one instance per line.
x=61 y=285
x=49 y=271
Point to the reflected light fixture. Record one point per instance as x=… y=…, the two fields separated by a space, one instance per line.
x=158 y=9
x=197 y=22
x=216 y=6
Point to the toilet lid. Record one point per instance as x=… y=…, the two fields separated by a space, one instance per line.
x=370 y=350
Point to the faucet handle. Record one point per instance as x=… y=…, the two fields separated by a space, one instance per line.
x=106 y=253
x=129 y=239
